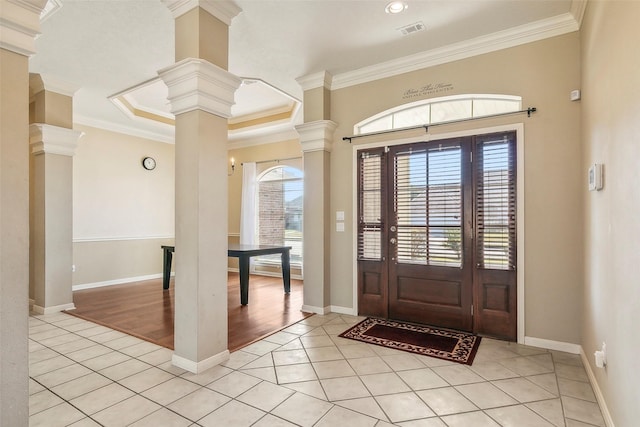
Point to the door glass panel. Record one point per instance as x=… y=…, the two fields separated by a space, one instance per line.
x=495 y=204
x=370 y=206
x=428 y=205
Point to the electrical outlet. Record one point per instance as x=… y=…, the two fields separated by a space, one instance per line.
x=73 y=268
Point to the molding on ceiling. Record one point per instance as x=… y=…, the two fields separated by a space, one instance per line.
x=316 y=80
x=167 y=137
x=40 y=82
x=539 y=30
x=224 y=10
x=577 y=10
x=269 y=138
x=20 y=25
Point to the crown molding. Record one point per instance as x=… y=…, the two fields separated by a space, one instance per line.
x=167 y=137
x=539 y=30
x=224 y=10
x=196 y=84
x=20 y=25
x=317 y=136
x=48 y=139
x=40 y=82
x=315 y=80
x=577 y=10
x=263 y=139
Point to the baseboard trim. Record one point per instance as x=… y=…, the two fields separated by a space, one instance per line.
x=343 y=310
x=53 y=309
x=596 y=389
x=116 y=281
x=316 y=310
x=552 y=345
x=203 y=365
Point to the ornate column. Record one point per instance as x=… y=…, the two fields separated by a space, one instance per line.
x=316 y=139
x=19 y=25
x=201 y=92
x=53 y=144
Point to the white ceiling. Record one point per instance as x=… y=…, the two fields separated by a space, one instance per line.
x=106 y=47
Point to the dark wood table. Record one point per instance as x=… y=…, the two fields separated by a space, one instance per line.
x=243 y=253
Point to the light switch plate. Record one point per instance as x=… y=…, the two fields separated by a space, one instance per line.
x=339 y=215
x=340 y=226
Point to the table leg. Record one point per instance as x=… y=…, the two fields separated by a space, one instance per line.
x=166 y=271
x=244 y=279
x=286 y=271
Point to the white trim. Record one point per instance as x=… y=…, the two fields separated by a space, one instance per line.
x=317 y=135
x=117 y=281
x=566 y=347
x=224 y=10
x=49 y=139
x=315 y=80
x=606 y=415
x=520 y=233
x=269 y=274
x=203 y=365
x=343 y=310
x=118 y=238
x=167 y=137
x=20 y=25
x=197 y=84
x=241 y=140
x=54 y=309
x=40 y=82
x=577 y=10
x=317 y=310
x=535 y=31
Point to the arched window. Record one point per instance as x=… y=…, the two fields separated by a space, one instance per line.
x=279 y=207
x=439 y=110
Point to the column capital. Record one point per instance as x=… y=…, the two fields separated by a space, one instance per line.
x=223 y=10
x=40 y=82
x=196 y=84
x=20 y=24
x=48 y=139
x=317 y=136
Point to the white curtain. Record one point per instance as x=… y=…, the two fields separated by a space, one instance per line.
x=248 y=206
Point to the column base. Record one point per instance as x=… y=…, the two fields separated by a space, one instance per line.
x=53 y=309
x=203 y=365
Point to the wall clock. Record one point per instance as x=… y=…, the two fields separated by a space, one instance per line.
x=149 y=163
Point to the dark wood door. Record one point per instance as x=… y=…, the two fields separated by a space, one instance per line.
x=436 y=235
x=429 y=280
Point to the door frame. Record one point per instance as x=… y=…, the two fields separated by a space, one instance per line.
x=520 y=217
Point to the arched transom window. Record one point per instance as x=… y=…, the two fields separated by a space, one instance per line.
x=439 y=110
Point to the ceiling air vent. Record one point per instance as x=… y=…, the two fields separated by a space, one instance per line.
x=413 y=28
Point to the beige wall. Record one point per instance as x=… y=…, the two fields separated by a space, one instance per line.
x=610 y=129
x=543 y=73
x=119 y=207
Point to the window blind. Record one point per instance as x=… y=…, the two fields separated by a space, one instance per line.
x=371 y=176
x=428 y=205
x=495 y=202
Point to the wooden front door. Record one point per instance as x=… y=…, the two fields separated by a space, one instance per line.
x=436 y=237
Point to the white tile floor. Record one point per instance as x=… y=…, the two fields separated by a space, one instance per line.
x=82 y=374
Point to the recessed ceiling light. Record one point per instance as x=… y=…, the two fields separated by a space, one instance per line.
x=396 y=7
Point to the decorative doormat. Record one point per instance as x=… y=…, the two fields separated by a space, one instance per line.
x=444 y=344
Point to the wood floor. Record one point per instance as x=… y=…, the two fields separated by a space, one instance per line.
x=144 y=310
